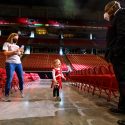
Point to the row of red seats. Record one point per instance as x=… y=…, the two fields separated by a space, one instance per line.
x=52 y=41
x=83 y=61
x=76 y=42
x=2 y=60
x=28 y=77
x=101 y=78
x=40 y=62
x=37 y=62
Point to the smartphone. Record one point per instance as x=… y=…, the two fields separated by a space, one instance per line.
x=22 y=47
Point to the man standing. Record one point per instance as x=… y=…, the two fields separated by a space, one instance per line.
x=116 y=49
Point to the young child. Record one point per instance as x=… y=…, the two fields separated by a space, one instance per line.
x=57 y=79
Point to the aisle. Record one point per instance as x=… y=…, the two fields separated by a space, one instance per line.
x=38 y=108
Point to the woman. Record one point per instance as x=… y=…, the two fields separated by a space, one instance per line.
x=13 y=63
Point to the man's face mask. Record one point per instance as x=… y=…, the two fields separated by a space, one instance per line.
x=106 y=16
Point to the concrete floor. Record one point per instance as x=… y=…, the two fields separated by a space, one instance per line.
x=38 y=107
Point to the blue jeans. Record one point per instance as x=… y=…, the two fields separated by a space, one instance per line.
x=10 y=68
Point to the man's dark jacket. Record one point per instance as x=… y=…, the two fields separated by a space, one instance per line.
x=116 y=38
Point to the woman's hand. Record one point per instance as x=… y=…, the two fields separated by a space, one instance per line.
x=21 y=50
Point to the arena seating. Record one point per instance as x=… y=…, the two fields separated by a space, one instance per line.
x=78 y=42
x=2 y=40
x=42 y=41
x=41 y=62
x=98 y=80
x=93 y=74
x=83 y=61
x=28 y=77
x=2 y=60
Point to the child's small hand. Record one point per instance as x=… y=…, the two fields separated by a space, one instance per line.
x=55 y=82
x=64 y=78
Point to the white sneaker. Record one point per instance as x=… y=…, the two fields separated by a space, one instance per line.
x=6 y=99
x=22 y=94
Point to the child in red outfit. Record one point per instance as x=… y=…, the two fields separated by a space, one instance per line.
x=57 y=79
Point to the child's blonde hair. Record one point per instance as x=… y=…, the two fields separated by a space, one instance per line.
x=55 y=61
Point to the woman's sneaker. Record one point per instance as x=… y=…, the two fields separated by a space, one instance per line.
x=22 y=94
x=6 y=99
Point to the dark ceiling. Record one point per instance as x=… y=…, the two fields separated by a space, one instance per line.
x=90 y=10
x=93 y=4
x=90 y=4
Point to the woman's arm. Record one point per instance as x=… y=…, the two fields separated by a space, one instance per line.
x=10 y=53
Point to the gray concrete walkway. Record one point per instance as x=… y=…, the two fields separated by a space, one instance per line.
x=38 y=107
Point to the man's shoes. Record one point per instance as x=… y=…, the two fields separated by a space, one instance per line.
x=117 y=111
x=121 y=122
x=6 y=99
x=21 y=94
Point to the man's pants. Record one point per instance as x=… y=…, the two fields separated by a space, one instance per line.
x=119 y=69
